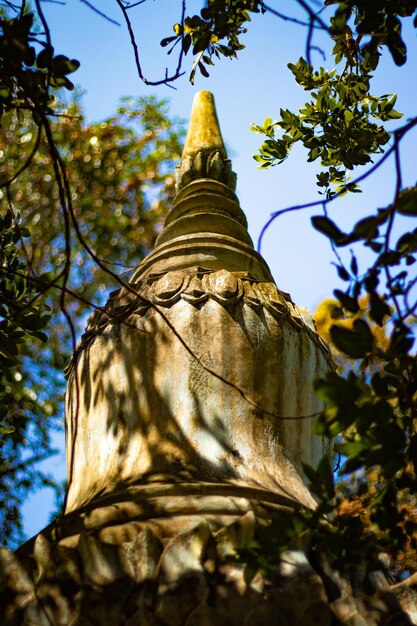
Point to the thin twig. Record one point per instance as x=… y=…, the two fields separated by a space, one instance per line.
x=55 y=285
x=390 y=224
x=313 y=16
x=168 y=78
x=49 y=42
x=286 y=18
x=332 y=244
x=128 y=5
x=96 y=10
x=29 y=461
x=309 y=39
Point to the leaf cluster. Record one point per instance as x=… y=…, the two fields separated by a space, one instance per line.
x=22 y=315
x=341 y=540
x=379 y=22
x=371 y=405
x=214 y=33
x=337 y=126
x=29 y=67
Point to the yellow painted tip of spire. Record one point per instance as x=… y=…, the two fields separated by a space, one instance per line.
x=204 y=130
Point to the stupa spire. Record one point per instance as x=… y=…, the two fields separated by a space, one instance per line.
x=206 y=226
x=204 y=154
x=204 y=129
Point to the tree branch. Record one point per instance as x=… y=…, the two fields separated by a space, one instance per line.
x=400 y=132
x=168 y=78
x=96 y=10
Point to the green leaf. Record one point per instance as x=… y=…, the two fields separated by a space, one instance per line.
x=249 y=572
x=354 y=265
x=365 y=416
x=353 y=448
x=203 y=70
x=407 y=201
x=379 y=309
x=62 y=65
x=397 y=47
x=328 y=227
x=394 y=115
x=6 y=430
x=407 y=243
x=44 y=58
x=34 y=322
x=325 y=474
x=367 y=228
x=40 y=335
x=321 y=479
x=348 y=302
x=342 y=273
x=187 y=41
x=348 y=115
x=355 y=342
x=167 y=40
x=334 y=390
x=381 y=383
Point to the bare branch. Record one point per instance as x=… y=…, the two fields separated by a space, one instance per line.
x=308 y=41
x=12 y=5
x=168 y=78
x=287 y=18
x=96 y=10
x=29 y=461
x=314 y=17
x=129 y=5
x=407 y=582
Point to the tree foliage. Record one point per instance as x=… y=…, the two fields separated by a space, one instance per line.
x=119 y=176
x=29 y=67
x=378 y=473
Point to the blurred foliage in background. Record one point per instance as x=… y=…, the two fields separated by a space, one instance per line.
x=120 y=172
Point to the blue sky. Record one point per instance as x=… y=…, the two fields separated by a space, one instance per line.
x=255 y=86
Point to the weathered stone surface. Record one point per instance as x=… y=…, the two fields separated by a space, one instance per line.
x=406 y=594
x=208 y=403
x=132 y=577
x=235 y=536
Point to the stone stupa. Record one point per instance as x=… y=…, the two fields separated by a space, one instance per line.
x=188 y=419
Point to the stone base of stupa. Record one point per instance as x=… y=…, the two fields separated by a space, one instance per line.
x=160 y=558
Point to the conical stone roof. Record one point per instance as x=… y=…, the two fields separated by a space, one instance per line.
x=206 y=225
